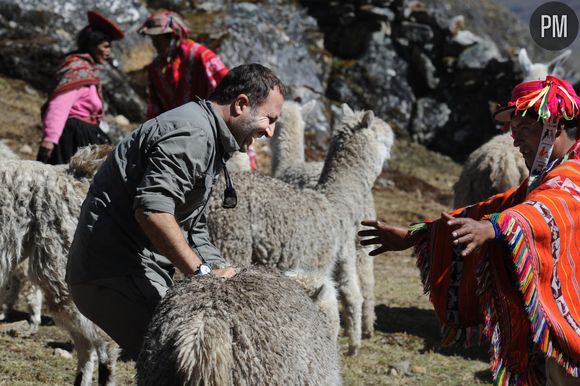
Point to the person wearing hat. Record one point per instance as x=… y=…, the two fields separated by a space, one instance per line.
x=508 y=269
x=74 y=109
x=183 y=68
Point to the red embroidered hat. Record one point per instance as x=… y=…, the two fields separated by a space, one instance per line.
x=101 y=23
x=549 y=97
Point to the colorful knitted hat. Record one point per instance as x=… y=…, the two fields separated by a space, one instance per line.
x=164 y=22
x=552 y=97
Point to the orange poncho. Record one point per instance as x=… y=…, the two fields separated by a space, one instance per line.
x=521 y=291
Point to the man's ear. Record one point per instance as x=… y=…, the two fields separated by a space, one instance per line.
x=240 y=104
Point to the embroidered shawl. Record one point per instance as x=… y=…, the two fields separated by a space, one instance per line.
x=194 y=71
x=521 y=291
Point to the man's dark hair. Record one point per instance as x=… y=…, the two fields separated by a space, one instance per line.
x=253 y=80
x=90 y=37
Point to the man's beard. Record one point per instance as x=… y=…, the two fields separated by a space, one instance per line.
x=245 y=130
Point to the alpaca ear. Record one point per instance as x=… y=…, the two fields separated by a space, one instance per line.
x=346 y=110
x=525 y=62
x=317 y=295
x=307 y=108
x=557 y=61
x=367 y=119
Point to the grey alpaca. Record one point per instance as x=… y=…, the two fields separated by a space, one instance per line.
x=289 y=165
x=13 y=285
x=39 y=207
x=281 y=225
x=497 y=165
x=257 y=328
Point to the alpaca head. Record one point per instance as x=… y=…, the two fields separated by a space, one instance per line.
x=365 y=138
x=539 y=71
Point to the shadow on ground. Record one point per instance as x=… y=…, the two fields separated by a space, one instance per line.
x=423 y=324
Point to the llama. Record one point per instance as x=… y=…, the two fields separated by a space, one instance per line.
x=39 y=207
x=277 y=224
x=288 y=164
x=497 y=165
x=257 y=328
x=9 y=294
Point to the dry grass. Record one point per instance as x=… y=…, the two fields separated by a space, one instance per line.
x=405 y=349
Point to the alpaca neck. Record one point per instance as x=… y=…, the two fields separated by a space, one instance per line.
x=287 y=149
x=347 y=175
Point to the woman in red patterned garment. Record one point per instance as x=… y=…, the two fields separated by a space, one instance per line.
x=507 y=269
x=74 y=109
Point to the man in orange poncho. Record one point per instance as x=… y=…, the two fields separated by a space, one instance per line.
x=508 y=268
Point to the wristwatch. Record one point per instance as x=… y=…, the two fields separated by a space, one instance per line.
x=203 y=269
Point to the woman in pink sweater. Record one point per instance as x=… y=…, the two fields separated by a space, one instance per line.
x=71 y=116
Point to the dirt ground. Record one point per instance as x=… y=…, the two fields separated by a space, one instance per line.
x=416 y=184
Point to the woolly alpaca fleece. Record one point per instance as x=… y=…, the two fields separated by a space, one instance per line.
x=289 y=165
x=39 y=207
x=257 y=328
x=9 y=293
x=280 y=225
x=493 y=168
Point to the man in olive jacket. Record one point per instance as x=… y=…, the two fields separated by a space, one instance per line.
x=145 y=212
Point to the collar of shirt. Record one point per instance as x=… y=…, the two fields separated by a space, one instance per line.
x=227 y=141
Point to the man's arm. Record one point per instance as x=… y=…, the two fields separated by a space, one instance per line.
x=165 y=235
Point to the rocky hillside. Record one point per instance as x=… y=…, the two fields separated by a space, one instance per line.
x=432 y=69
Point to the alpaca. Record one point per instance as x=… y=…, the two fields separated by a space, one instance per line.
x=497 y=165
x=9 y=294
x=257 y=328
x=280 y=225
x=288 y=164
x=493 y=168
x=39 y=207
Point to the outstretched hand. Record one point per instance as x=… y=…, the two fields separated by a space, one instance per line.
x=469 y=233
x=388 y=237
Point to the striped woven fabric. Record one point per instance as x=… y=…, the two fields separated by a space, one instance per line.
x=521 y=292
x=194 y=71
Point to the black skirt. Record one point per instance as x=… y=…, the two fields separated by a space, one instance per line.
x=76 y=134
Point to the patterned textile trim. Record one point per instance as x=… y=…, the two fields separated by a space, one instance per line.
x=450 y=335
x=513 y=234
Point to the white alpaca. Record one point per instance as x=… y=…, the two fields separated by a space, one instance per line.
x=257 y=328
x=289 y=165
x=39 y=208
x=9 y=294
x=497 y=165
x=280 y=225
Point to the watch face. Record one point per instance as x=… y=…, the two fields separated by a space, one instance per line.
x=204 y=269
